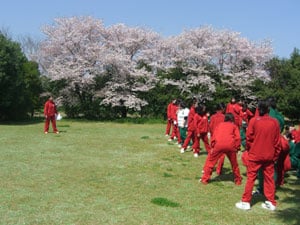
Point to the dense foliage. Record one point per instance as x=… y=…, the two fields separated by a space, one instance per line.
x=284 y=84
x=19 y=81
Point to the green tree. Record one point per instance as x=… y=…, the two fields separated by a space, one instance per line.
x=284 y=84
x=19 y=83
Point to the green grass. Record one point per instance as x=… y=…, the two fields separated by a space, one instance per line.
x=119 y=173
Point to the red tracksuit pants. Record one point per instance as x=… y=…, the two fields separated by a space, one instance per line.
x=196 y=145
x=169 y=125
x=212 y=160
x=190 y=136
x=47 y=123
x=176 y=133
x=269 y=183
x=220 y=163
x=282 y=167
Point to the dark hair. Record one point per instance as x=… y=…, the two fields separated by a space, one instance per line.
x=178 y=101
x=182 y=104
x=272 y=102
x=229 y=117
x=263 y=107
x=220 y=106
x=201 y=110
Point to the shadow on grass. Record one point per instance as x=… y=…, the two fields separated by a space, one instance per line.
x=291 y=192
x=34 y=120
x=290 y=215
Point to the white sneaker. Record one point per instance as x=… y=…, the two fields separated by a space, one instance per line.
x=243 y=205
x=167 y=135
x=196 y=155
x=182 y=150
x=179 y=145
x=268 y=205
x=170 y=139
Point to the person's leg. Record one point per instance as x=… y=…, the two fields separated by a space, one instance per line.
x=260 y=186
x=168 y=127
x=252 y=170
x=53 y=121
x=187 y=139
x=269 y=183
x=210 y=163
x=220 y=164
x=179 y=140
x=232 y=156
x=46 y=126
x=183 y=134
x=196 y=145
x=204 y=138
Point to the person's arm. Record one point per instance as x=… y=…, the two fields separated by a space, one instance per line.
x=46 y=109
x=249 y=135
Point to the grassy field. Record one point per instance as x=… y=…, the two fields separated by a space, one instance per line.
x=119 y=173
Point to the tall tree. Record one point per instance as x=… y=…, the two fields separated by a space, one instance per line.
x=81 y=49
x=18 y=88
x=284 y=84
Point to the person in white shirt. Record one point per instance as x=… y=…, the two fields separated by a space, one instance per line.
x=182 y=117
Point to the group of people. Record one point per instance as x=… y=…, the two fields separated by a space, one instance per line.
x=269 y=148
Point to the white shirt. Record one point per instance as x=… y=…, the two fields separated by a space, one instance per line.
x=181 y=114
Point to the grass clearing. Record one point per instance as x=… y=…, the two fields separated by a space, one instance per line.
x=119 y=173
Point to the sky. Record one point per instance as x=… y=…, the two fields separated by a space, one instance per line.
x=257 y=20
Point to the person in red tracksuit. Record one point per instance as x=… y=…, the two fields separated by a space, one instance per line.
x=217 y=118
x=246 y=114
x=235 y=108
x=50 y=113
x=225 y=140
x=283 y=156
x=169 y=117
x=263 y=146
x=175 y=130
x=201 y=129
x=191 y=127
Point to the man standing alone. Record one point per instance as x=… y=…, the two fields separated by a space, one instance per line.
x=50 y=113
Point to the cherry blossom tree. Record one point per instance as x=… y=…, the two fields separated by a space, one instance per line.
x=79 y=49
x=132 y=60
x=127 y=47
x=204 y=51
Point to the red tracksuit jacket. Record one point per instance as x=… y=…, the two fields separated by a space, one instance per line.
x=226 y=136
x=50 y=108
x=169 y=110
x=236 y=110
x=201 y=124
x=215 y=120
x=247 y=115
x=263 y=139
x=174 y=109
x=191 y=125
